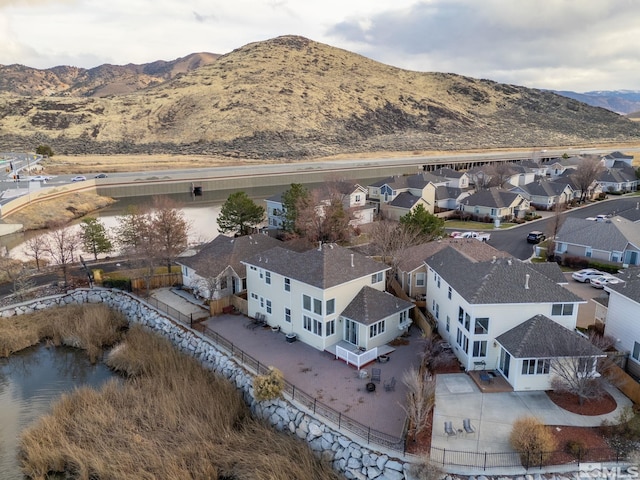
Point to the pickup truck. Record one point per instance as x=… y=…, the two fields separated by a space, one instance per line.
x=483 y=237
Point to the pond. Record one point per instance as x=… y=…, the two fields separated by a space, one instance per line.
x=30 y=381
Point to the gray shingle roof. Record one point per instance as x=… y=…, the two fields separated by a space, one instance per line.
x=492 y=197
x=404 y=200
x=544 y=188
x=413 y=257
x=497 y=282
x=541 y=337
x=443 y=191
x=618 y=175
x=326 y=267
x=370 y=306
x=631 y=286
x=614 y=235
x=224 y=251
x=551 y=270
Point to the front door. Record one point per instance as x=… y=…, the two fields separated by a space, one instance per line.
x=505 y=360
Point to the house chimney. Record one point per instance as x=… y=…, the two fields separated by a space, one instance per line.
x=352 y=260
x=320 y=246
x=509 y=262
x=493 y=260
x=526 y=281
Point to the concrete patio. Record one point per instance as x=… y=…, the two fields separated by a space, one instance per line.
x=492 y=414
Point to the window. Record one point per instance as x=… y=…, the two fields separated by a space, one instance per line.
x=562 y=309
x=317 y=327
x=331 y=306
x=253 y=268
x=437 y=311
x=268 y=306
x=438 y=281
x=376 y=277
x=449 y=293
x=420 y=277
x=223 y=283
x=376 y=329
x=254 y=296
x=287 y=284
x=306 y=302
x=331 y=328
x=448 y=326
x=317 y=306
x=467 y=321
x=357 y=198
x=480 y=348
x=482 y=326
x=460 y=315
x=533 y=366
x=636 y=351
x=306 y=323
x=262 y=303
x=267 y=278
x=287 y=315
x=462 y=341
x=404 y=315
x=261 y=273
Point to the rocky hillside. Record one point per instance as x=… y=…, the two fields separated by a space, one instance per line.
x=293 y=98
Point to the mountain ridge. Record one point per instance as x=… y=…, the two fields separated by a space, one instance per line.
x=292 y=98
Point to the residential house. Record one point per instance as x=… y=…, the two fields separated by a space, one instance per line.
x=218 y=265
x=475 y=302
x=616 y=159
x=495 y=203
x=616 y=240
x=450 y=198
x=618 y=180
x=568 y=178
x=545 y=195
x=412 y=189
x=529 y=350
x=451 y=178
x=520 y=175
x=623 y=312
x=412 y=271
x=354 y=200
x=401 y=205
x=331 y=298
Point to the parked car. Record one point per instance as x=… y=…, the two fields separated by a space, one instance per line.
x=586 y=274
x=78 y=178
x=603 y=280
x=483 y=237
x=535 y=237
x=599 y=218
x=101 y=175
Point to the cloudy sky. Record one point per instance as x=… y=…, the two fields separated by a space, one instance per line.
x=578 y=45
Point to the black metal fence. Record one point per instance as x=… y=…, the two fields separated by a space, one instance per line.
x=318 y=408
x=488 y=460
x=169 y=310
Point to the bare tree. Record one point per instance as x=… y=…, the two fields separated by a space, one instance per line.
x=586 y=173
x=421 y=397
x=576 y=372
x=554 y=228
x=36 y=247
x=389 y=240
x=170 y=227
x=434 y=355
x=61 y=244
x=499 y=173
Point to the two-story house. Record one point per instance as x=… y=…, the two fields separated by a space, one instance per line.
x=476 y=302
x=615 y=158
x=327 y=297
x=495 y=203
x=545 y=195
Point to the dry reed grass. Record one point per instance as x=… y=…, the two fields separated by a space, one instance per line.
x=171 y=419
x=89 y=327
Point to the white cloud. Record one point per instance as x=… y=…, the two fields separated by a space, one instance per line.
x=550 y=44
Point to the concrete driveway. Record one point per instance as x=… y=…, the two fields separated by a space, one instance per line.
x=492 y=414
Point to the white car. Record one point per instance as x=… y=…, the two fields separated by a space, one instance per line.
x=79 y=178
x=603 y=280
x=586 y=274
x=40 y=178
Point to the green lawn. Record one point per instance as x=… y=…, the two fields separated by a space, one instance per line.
x=469 y=225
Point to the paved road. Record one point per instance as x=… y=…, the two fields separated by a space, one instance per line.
x=513 y=240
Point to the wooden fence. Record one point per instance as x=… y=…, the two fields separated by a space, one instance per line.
x=625 y=382
x=419 y=318
x=157 y=281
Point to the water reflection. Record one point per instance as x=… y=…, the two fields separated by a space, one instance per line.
x=30 y=381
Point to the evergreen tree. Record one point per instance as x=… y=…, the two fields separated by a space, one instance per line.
x=423 y=222
x=239 y=214
x=94 y=237
x=291 y=201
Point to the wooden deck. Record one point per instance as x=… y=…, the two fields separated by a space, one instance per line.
x=490 y=381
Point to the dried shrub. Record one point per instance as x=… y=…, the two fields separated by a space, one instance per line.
x=575 y=448
x=425 y=470
x=533 y=440
x=270 y=386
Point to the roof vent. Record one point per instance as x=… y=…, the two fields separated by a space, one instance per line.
x=320 y=246
x=509 y=261
x=493 y=260
x=352 y=259
x=526 y=281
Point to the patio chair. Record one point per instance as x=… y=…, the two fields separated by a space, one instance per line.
x=468 y=428
x=390 y=385
x=448 y=430
x=375 y=375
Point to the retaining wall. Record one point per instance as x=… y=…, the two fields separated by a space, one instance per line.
x=353 y=460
